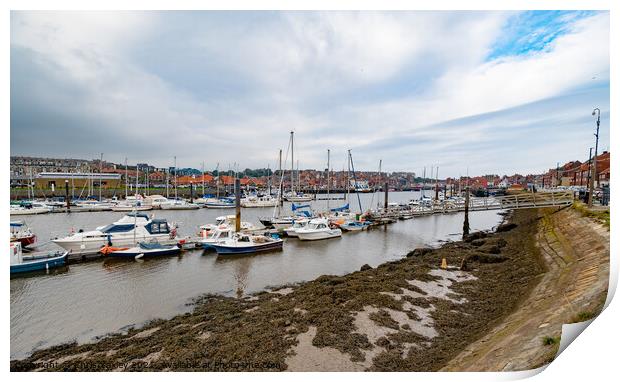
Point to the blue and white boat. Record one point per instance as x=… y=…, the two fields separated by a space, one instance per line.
x=142 y=250
x=354 y=226
x=283 y=222
x=219 y=203
x=36 y=262
x=133 y=228
x=245 y=243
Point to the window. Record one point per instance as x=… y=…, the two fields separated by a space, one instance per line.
x=154 y=228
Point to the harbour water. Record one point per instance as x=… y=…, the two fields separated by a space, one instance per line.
x=90 y=299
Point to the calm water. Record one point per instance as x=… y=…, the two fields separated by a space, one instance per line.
x=91 y=299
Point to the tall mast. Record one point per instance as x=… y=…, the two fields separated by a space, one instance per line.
x=217 y=182
x=437 y=184
x=146 y=181
x=359 y=201
x=126 y=180
x=269 y=179
x=203 y=178
x=328 y=180
x=380 y=174
x=167 y=182
x=176 y=195
x=100 y=175
x=423 y=183
x=348 y=178
x=292 y=164
x=137 y=177
x=280 y=173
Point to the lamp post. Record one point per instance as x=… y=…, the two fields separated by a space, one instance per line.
x=595 y=112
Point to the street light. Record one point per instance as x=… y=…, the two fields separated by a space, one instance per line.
x=596 y=112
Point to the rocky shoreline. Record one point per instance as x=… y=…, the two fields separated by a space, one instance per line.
x=407 y=315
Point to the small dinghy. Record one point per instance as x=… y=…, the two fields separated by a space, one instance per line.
x=35 y=262
x=245 y=243
x=142 y=250
x=353 y=226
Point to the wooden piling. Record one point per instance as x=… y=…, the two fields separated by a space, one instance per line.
x=466 y=221
x=385 y=201
x=67 y=195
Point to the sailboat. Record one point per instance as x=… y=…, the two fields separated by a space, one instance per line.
x=131 y=203
x=176 y=203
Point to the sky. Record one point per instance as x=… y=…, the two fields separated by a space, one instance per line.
x=472 y=92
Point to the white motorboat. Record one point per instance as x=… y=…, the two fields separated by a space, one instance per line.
x=178 y=204
x=227 y=221
x=296 y=198
x=215 y=235
x=219 y=203
x=155 y=201
x=298 y=224
x=242 y=243
x=94 y=205
x=255 y=201
x=318 y=229
x=127 y=207
x=30 y=208
x=127 y=231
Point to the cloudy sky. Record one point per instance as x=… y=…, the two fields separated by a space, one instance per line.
x=484 y=92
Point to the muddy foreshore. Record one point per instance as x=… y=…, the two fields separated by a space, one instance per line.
x=406 y=315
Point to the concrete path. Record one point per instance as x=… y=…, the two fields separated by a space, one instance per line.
x=575 y=251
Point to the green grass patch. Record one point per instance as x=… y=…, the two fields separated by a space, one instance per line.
x=584 y=316
x=548 y=341
x=600 y=215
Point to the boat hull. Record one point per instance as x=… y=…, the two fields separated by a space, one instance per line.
x=179 y=207
x=219 y=206
x=30 y=211
x=39 y=265
x=290 y=232
x=319 y=235
x=94 y=245
x=233 y=250
x=132 y=253
x=131 y=209
x=26 y=241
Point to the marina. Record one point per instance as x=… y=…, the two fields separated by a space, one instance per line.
x=40 y=299
x=308 y=191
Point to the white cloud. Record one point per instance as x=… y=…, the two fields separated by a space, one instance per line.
x=340 y=79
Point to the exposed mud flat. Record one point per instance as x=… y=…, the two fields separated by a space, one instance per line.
x=407 y=315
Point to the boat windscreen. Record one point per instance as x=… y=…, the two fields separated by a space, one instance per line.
x=113 y=228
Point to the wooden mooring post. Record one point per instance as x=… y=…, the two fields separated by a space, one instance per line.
x=466 y=221
x=385 y=201
x=67 y=195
